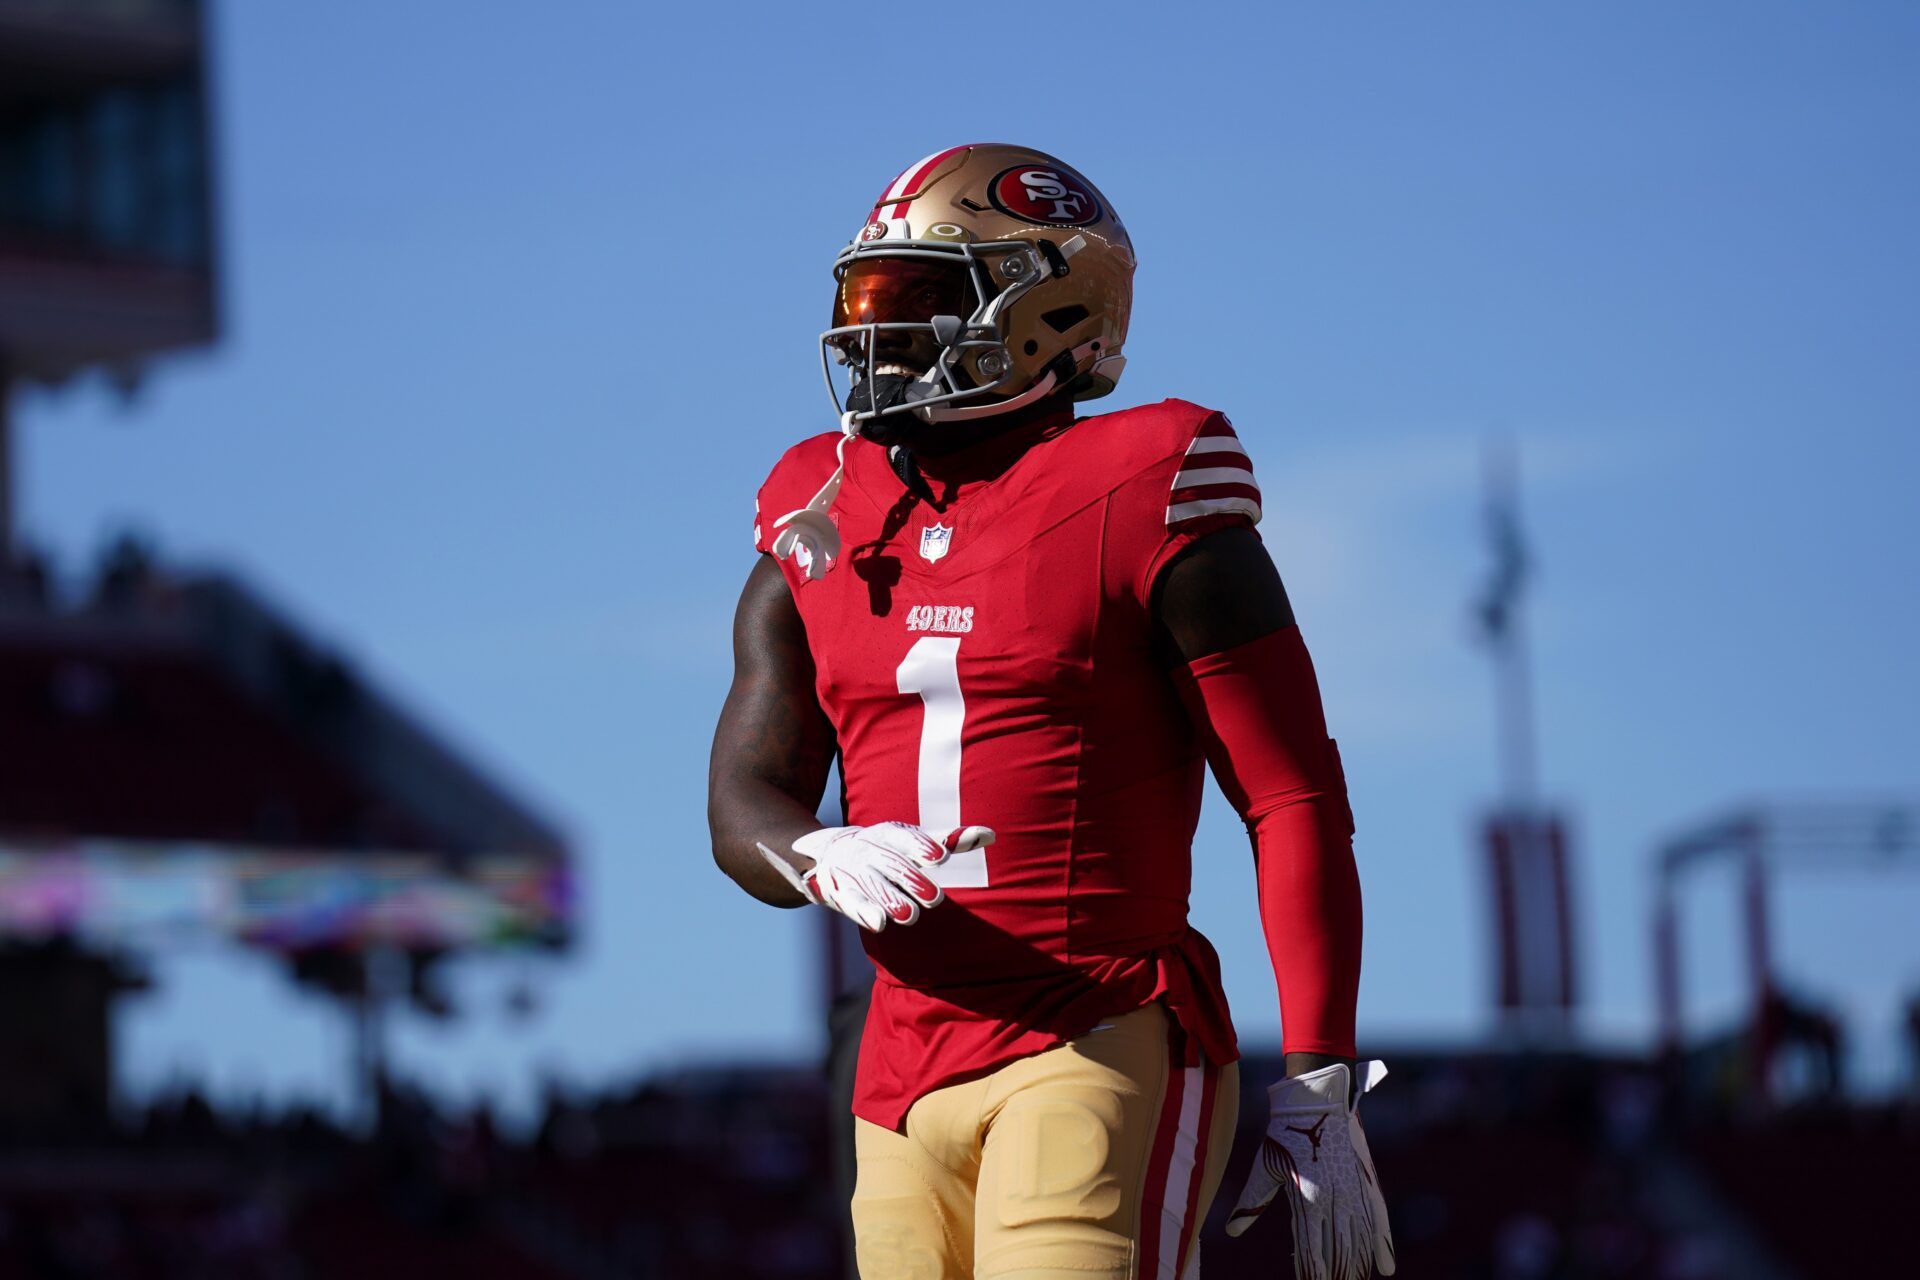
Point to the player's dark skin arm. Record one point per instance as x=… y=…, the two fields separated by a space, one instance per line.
x=1221 y=593
x=773 y=746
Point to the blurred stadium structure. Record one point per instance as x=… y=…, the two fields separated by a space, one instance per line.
x=1529 y=859
x=178 y=760
x=1765 y=841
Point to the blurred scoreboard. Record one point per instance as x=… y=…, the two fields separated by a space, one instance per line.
x=152 y=896
x=180 y=760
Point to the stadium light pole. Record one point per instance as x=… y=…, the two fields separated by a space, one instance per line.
x=1502 y=623
x=1527 y=849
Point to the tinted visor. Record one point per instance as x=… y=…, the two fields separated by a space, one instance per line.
x=896 y=290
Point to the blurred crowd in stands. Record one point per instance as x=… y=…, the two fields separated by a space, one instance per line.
x=1498 y=1165
x=709 y=1175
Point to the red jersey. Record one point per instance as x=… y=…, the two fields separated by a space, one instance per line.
x=993 y=662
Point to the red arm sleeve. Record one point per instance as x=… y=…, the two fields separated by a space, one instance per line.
x=1258 y=708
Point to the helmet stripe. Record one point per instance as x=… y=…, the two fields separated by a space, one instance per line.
x=908 y=183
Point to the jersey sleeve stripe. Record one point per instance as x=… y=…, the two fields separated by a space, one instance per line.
x=1215 y=475
x=1216 y=444
x=1207 y=492
x=1182 y=511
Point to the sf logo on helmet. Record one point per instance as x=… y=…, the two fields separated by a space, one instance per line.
x=1047 y=195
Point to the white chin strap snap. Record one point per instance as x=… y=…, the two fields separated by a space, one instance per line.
x=810 y=529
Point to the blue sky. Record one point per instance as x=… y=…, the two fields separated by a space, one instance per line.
x=521 y=310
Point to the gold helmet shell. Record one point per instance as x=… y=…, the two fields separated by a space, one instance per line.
x=1048 y=271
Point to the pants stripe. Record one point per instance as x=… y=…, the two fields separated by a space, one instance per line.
x=1210 y=1088
x=1176 y=1165
x=1154 y=1187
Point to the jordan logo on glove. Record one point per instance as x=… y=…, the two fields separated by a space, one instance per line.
x=1313 y=1135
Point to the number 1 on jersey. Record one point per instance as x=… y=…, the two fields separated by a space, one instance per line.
x=932 y=670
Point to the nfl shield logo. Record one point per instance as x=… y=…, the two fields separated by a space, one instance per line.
x=934 y=540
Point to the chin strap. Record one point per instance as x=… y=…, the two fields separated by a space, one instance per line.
x=1046 y=385
x=810 y=529
x=948 y=413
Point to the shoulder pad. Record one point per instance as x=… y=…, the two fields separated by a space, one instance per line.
x=1188 y=452
x=1185 y=476
x=1127 y=441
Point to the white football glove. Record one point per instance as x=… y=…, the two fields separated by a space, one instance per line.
x=1315 y=1149
x=875 y=874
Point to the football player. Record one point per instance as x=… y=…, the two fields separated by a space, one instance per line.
x=1021 y=632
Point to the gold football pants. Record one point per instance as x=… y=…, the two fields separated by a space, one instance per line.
x=1095 y=1160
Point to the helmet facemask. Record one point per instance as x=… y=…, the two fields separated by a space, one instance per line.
x=921 y=330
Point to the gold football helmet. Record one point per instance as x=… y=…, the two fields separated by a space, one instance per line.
x=986 y=277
